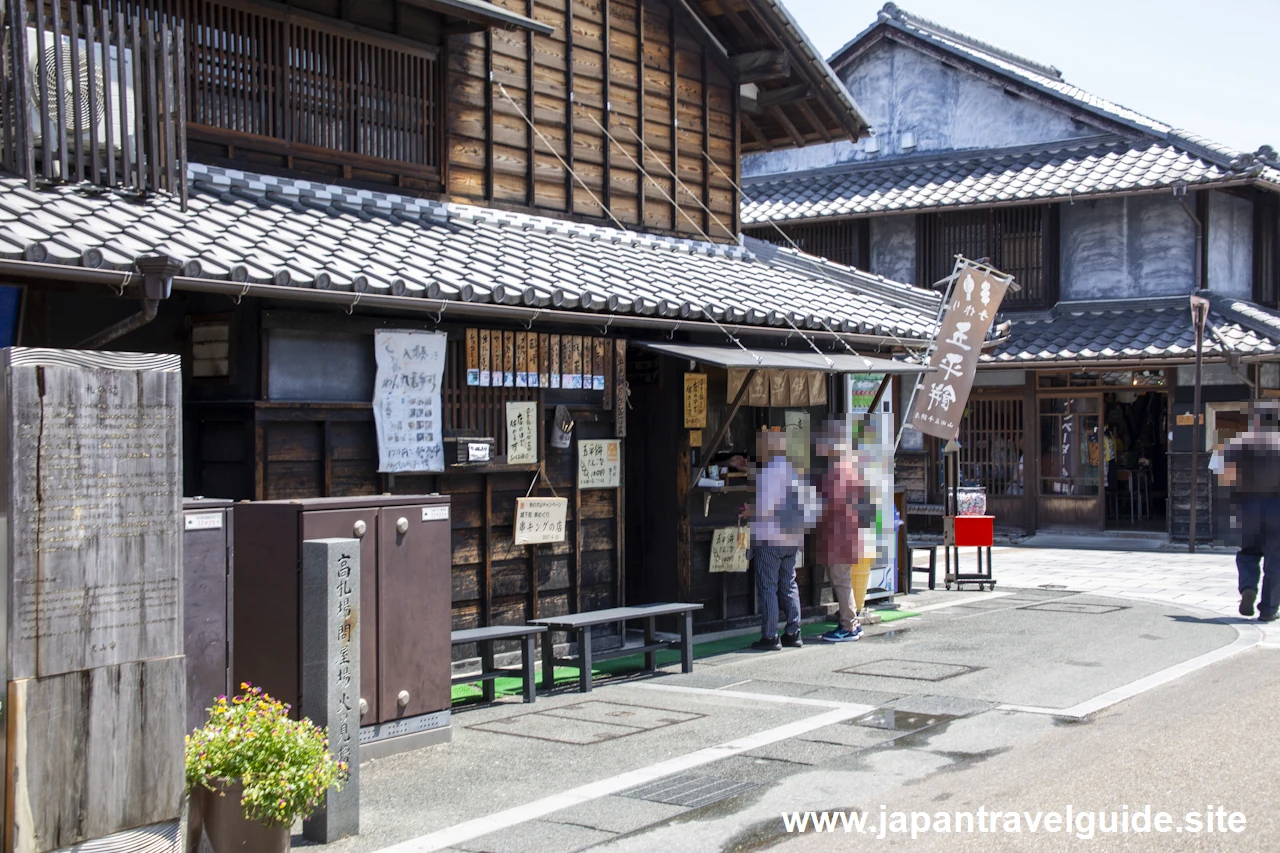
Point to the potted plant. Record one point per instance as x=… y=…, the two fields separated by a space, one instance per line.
x=252 y=772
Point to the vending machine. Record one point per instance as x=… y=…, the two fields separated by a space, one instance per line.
x=874 y=442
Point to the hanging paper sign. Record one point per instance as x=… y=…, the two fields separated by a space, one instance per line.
x=597 y=364
x=406 y=402
x=729 y=549
x=522 y=433
x=599 y=464
x=975 y=299
x=540 y=521
x=695 y=400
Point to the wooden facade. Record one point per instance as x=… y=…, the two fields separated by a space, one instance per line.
x=622 y=89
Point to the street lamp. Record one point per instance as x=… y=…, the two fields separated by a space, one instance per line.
x=1199 y=317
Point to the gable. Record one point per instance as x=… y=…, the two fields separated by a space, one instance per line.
x=945 y=107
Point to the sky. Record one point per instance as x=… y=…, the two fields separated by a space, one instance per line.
x=1212 y=68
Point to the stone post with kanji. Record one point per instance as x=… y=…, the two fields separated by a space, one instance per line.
x=331 y=672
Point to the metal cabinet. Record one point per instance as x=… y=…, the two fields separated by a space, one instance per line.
x=405 y=557
x=206 y=603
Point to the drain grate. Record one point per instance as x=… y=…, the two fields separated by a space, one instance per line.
x=689 y=791
x=911 y=670
x=1074 y=607
x=891 y=719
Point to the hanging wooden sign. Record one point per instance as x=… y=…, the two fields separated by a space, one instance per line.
x=540 y=521
x=553 y=366
x=620 y=388
x=695 y=400
x=473 y=356
x=597 y=364
x=522 y=360
x=531 y=359
x=485 y=334
x=544 y=361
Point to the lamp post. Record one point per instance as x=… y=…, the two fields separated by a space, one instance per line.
x=1199 y=317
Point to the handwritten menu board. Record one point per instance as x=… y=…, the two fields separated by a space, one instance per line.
x=695 y=400
x=540 y=520
x=729 y=549
x=522 y=433
x=599 y=464
x=406 y=403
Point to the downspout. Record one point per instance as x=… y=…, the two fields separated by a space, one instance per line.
x=157 y=283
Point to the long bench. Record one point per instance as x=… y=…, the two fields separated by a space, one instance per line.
x=485 y=638
x=581 y=624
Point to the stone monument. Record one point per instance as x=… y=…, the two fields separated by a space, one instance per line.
x=95 y=699
x=331 y=672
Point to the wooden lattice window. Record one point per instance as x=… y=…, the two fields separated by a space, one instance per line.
x=1016 y=240
x=992 y=445
x=844 y=242
x=288 y=82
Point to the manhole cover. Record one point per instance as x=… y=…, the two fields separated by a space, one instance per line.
x=900 y=721
x=586 y=722
x=689 y=791
x=1073 y=607
x=913 y=670
x=1052 y=586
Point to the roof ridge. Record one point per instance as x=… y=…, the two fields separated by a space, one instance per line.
x=892 y=10
x=959 y=155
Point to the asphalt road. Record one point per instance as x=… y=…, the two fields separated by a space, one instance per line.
x=1205 y=740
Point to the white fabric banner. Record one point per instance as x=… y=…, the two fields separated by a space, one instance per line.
x=407 y=402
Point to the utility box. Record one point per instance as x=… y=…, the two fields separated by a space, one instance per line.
x=206 y=603
x=405 y=603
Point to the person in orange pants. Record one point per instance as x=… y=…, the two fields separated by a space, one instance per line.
x=839 y=549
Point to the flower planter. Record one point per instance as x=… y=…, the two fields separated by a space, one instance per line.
x=230 y=831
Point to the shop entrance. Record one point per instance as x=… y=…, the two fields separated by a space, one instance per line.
x=1133 y=448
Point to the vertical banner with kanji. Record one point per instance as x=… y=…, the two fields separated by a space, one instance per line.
x=975 y=299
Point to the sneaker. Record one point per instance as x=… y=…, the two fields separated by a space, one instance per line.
x=1268 y=616
x=840 y=635
x=792 y=641
x=1247 y=597
x=767 y=644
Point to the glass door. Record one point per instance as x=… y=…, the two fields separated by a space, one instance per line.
x=1072 y=449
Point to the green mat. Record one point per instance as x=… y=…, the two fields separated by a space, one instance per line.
x=565 y=675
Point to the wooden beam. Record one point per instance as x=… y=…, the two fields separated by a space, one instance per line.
x=818 y=125
x=735 y=20
x=640 y=111
x=568 y=105
x=530 y=190
x=706 y=145
x=755 y=131
x=606 y=195
x=760 y=65
x=691 y=17
x=674 y=104
x=790 y=128
x=785 y=95
x=488 y=115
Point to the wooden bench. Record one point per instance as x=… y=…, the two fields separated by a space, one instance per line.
x=485 y=637
x=932 y=548
x=581 y=624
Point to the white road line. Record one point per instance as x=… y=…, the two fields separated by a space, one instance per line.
x=468 y=830
x=986 y=596
x=1249 y=636
x=772 y=698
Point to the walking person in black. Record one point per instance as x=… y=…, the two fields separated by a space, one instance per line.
x=1252 y=467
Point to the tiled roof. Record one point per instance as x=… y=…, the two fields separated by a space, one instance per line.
x=262 y=229
x=1153 y=155
x=1064 y=171
x=1132 y=330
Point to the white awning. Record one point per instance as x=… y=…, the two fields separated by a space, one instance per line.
x=764 y=358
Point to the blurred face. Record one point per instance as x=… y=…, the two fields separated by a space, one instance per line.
x=771 y=444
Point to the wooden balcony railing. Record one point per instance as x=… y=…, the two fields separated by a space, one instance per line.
x=268 y=78
x=92 y=94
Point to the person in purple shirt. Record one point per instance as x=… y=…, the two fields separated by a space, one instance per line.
x=785 y=507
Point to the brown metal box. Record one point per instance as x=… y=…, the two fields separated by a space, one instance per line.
x=404 y=597
x=206 y=603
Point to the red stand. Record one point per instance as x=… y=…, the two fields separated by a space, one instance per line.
x=968 y=531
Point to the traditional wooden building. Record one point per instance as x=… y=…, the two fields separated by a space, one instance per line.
x=261 y=187
x=1108 y=220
